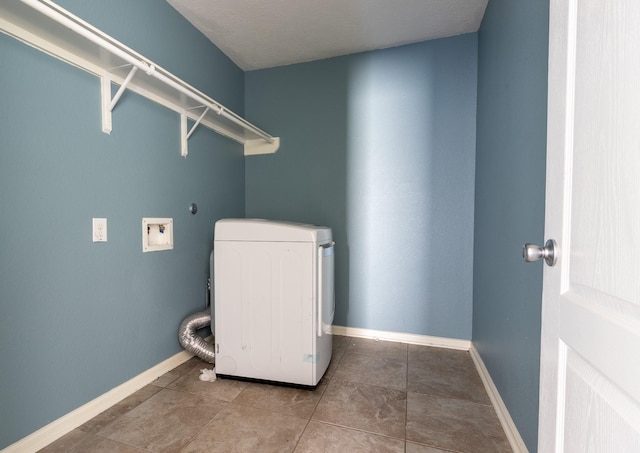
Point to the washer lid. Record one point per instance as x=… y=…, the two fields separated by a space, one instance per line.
x=261 y=230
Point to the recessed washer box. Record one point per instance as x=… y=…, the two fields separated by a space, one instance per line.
x=157 y=234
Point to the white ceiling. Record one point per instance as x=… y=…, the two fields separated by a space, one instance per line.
x=258 y=34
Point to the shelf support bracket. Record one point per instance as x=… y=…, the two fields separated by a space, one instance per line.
x=109 y=103
x=185 y=133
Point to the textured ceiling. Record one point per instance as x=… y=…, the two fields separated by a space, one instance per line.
x=258 y=34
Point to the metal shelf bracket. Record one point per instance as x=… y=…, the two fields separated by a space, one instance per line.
x=185 y=134
x=109 y=103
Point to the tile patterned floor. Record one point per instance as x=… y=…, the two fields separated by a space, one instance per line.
x=375 y=397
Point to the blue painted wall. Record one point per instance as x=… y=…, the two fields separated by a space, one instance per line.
x=380 y=147
x=79 y=318
x=509 y=207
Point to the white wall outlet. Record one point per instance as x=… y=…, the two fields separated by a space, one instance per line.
x=99 y=230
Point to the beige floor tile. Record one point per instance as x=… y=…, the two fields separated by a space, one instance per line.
x=222 y=389
x=417 y=448
x=100 y=421
x=246 y=429
x=331 y=369
x=444 y=372
x=379 y=348
x=66 y=442
x=325 y=438
x=375 y=397
x=285 y=400
x=82 y=442
x=453 y=424
x=179 y=371
x=340 y=345
x=373 y=369
x=366 y=407
x=442 y=356
x=165 y=422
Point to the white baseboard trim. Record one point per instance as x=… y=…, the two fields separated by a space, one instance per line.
x=513 y=435
x=410 y=338
x=67 y=423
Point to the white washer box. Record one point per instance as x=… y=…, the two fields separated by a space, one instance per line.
x=274 y=300
x=157 y=234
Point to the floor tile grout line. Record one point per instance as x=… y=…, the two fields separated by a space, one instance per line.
x=308 y=420
x=406 y=401
x=371 y=385
x=184 y=391
x=351 y=428
x=329 y=380
x=345 y=349
x=465 y=400
x=205 y=425
x=234 y=403
x=301 y=435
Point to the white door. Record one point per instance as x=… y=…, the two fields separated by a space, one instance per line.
x=590 y=360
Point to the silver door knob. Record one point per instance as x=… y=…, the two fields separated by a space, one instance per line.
x=532 y=252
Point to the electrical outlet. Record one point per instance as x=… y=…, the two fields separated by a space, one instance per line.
x=99 y=230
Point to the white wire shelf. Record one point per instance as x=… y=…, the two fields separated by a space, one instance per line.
x=51 y=29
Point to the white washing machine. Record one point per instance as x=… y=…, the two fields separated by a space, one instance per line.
x=274 y=300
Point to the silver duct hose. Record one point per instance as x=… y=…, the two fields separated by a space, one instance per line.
x=192 y=342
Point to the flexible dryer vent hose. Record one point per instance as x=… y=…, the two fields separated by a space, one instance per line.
x=192 y=342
